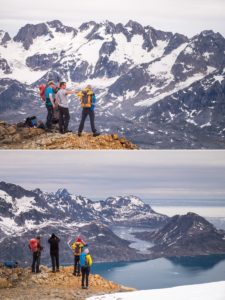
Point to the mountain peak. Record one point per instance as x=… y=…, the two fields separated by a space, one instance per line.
x=62 y=193
x=4 y=37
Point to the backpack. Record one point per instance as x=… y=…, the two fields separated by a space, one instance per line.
x=11 y=264
x=33 y=244
x=42 y=87
x=86 y=99
x=83 y=260
x=31 y=121
x=77 y=250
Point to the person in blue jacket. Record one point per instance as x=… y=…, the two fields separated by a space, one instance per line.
x=85 y=263
x=49 y=103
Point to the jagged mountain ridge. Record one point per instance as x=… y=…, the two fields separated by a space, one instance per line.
x=24 y=214
x=186 y=235
x=160 y=89
x=36 y=206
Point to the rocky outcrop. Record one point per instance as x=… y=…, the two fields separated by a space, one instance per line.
x=15 y=137
x=41 y=61
x=21 y=284
x=4 y=66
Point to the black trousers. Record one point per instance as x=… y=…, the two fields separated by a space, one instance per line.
x=49 y=117
x=77 y=265
x=36 y=262
x=55 y=260
x=85 y=271
x=64 y=118
x=87 y=112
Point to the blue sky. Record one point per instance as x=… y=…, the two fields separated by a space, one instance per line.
x=187 y=17
x=151 y=175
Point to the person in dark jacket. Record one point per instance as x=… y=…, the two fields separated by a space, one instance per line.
x=36 y=249
x=54 y=252
x=88 y=102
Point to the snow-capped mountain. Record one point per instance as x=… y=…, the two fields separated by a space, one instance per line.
x=187 y=235
x=24 y=214
x=162 y=90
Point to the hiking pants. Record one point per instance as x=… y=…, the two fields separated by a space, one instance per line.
x=36 y=262
x=77 y=264
x=64 y=118
x=55 y=260
x=87 y=112
x=49 y=117
x=85 y=271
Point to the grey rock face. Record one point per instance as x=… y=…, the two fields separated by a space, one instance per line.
x=131 y=81
x=29 y=32
x=85 y=26
x=204 y=50
x=10 y=97
x=5 y=37
x=41 y=61
x=105 y=67
x=175 y=42
x=79 y=71
x=61 y=28
x=4 y=66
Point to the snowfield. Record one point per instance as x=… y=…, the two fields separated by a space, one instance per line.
x=206 y=291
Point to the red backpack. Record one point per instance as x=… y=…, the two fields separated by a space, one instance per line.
x=42 y=88
x=33 y=244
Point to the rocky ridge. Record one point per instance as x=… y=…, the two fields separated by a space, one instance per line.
x=161 y=90
x=14 y=137
x=21 y=284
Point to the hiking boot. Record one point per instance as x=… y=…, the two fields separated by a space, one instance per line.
x=79 y=134
x=74 y=274
x=68 y=131
x=96 y=134
x=83 y=287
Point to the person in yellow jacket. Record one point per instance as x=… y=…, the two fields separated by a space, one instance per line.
x=77 y=249
x=87 y=101
x=85 y=263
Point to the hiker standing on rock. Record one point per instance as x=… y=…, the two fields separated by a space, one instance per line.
x=77 y=249
x=54 y=252
x=62 y=101
x=85 y=263
x=36 y=248
x=49 y=103
x=87 y=101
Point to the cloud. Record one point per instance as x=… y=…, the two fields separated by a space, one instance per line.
x=99 y=174
x=187 y=17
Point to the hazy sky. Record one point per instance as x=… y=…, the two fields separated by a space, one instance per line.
x=97 y=175
x=187 y=17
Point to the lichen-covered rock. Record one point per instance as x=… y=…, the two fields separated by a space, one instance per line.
x=15 y=137
x=21 y=284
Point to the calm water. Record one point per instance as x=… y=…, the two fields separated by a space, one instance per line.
x=162 y=273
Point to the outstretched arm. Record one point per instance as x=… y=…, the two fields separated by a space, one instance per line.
x=70 y=92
